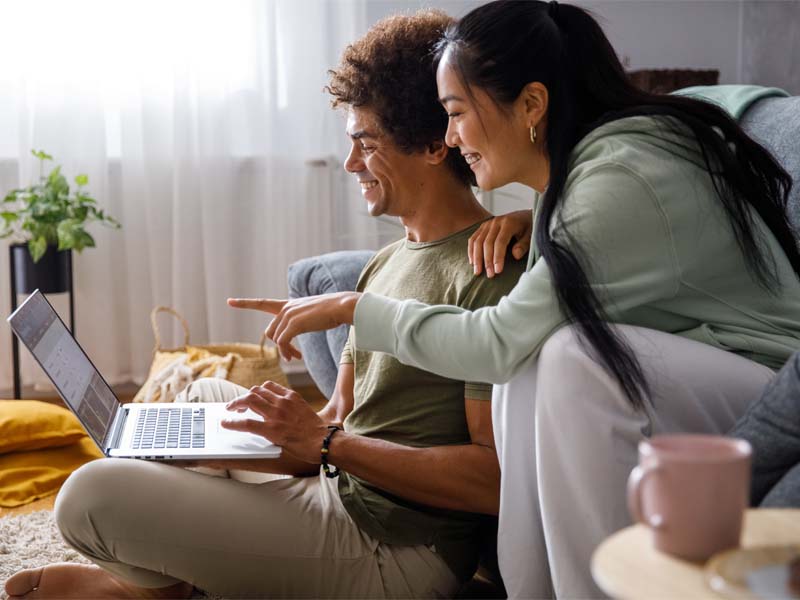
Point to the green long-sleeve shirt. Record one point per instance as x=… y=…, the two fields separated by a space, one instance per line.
x=641 y=205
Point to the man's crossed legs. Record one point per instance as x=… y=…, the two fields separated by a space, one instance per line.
x=155 y=526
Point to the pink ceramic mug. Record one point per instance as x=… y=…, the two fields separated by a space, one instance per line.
x=692 y=491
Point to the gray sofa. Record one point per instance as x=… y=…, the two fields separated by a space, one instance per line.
x=775 y=123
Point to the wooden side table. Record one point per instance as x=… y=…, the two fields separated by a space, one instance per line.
x=626 y=565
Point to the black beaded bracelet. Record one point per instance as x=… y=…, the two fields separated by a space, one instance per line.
x=330 y=474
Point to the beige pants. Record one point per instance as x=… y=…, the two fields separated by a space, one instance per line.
x=567 y=437
x=154 y=525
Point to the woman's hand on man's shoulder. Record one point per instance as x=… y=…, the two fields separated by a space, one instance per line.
x=488 y=246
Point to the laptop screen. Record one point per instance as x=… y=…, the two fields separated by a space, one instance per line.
x=75 y=377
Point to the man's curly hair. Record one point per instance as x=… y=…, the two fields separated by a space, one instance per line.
x=390 y=71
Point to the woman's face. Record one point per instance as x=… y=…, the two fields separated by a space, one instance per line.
x=495 y=142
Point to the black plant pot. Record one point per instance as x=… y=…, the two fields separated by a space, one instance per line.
x=51 y=274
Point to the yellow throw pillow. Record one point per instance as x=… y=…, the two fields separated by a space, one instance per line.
x=31 y=425
x=28 y=476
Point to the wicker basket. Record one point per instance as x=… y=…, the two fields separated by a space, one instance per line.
x=244 y=364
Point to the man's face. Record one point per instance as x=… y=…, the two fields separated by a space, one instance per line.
x=390 y=178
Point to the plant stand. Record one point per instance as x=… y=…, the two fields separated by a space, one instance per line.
x=51 y=277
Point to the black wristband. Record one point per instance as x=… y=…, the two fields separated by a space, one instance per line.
x=330 y=474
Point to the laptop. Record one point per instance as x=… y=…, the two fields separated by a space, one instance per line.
x=153 y=431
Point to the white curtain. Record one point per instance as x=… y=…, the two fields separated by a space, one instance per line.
x=204 y=129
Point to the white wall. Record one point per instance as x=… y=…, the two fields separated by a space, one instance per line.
x=771 y=44
x=656 y=34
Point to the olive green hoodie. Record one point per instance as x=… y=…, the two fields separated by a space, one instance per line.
x=662 y=254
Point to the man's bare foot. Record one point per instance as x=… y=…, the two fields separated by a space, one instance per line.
x=73 y=580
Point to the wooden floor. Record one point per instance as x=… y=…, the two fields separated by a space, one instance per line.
x=309 y=392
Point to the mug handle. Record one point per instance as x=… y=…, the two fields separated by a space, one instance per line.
x=635 y=483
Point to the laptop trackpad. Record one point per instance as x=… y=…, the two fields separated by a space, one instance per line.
x=240 y=440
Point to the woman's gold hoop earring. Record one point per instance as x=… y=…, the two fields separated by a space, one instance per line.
x=533 y=134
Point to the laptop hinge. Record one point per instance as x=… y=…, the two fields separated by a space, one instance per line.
x=117 y=427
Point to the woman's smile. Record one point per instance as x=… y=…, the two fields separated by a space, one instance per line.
x=471 y=157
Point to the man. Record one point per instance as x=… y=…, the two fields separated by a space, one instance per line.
x=418 y=466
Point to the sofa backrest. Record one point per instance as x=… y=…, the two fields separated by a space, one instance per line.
x=775 y=123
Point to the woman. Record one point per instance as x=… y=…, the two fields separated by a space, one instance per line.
x=662 y=286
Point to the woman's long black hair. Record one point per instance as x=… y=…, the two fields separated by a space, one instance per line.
x=504 y=45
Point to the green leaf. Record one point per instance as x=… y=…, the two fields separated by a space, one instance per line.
x=38 y=229
x=84 y=241
x=81 y=179
x=9 y=217
x=57 y=182
x=46 y=212
x=41 y=155
x=71 y=234
x=37 y=247
x=12 y=196
x=67 y=230
x=50 y=195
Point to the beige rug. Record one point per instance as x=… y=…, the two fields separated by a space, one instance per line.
x=33 y=540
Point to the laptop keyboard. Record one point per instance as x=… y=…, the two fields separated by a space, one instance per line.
x=170 y=427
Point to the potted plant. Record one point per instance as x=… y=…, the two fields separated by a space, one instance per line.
x=47 y=221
